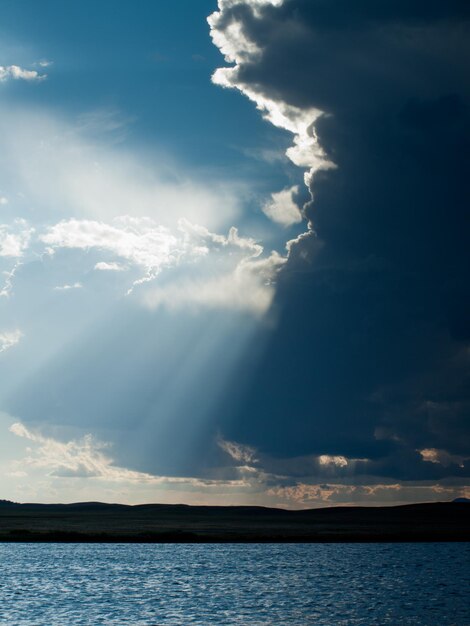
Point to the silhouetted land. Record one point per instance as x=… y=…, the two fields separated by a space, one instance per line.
x=97 y=522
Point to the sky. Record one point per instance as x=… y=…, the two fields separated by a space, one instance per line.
x=234 y=251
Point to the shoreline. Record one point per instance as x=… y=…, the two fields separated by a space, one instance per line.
x=171 y=538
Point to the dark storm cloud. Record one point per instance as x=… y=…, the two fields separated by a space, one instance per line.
x=371 y=355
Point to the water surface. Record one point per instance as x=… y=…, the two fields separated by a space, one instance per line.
x=234 y=584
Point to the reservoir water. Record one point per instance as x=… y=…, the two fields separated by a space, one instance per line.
x=235 y=584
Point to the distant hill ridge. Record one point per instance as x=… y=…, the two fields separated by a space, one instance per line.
x=247 y=508
x=98 y=522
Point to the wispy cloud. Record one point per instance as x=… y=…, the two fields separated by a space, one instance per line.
x=237 y=451
x=80 y=458
x=7 y=288
x=87 y=458
x=77 y=168
x=67 y=287
x=304 y=495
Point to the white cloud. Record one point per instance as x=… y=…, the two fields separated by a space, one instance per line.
x=228 y=34
x=434 y=455
x=305 y=152
x=248 y=286
x=282 y=209
x=9 y=339
x=231 y=40
x=16 y=72
x=103 y=266
x=138 y=240
x=14 y=238
x=337 y=460
x=220 y=271
x=3 y=200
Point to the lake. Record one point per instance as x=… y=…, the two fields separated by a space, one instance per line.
x=235 y=584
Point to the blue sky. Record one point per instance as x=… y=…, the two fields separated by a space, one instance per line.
x=215 y=243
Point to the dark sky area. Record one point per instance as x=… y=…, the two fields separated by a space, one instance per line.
x=371 y=355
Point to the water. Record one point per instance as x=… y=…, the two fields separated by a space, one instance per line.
x=234 y=584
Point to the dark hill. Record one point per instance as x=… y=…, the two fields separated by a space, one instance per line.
x=95 y=521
